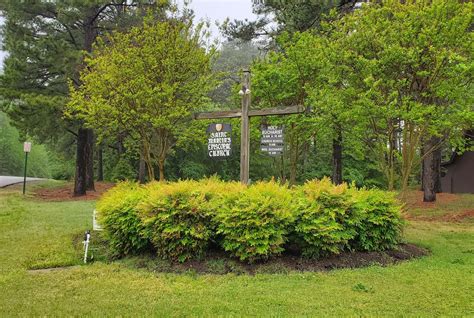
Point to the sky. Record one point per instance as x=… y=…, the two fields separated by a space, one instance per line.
x=207 y=9
x=221 y=9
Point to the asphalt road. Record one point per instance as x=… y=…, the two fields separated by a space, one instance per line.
x=5 y=181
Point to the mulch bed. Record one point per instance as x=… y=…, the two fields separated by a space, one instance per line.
x=415 y=200
x=216 y=263
x=452 y=218
x=65 y=193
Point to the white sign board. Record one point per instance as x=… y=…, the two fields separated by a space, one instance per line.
x=27 y=146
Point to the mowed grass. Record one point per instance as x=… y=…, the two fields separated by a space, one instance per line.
x=36 y=234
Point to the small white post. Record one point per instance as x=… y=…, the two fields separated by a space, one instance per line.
x=86 y=245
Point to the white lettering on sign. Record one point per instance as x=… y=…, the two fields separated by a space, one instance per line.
x=273 y=140
x=219 y=144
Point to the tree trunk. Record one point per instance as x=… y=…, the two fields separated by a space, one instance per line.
x=337 y=158
x=294 y=149
x=84 y=179
x=80 y=184
x=142 y=169
x=161 y=166
x=100 y=164
x=429 y=171
x=422 y=152
x=437 y=167
x=282 y=169
x=90 y=160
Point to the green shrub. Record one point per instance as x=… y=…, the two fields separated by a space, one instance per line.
x=178 y=218
x=254 y=221
x=325 y=222
x=122 y=171
x=379 y=223
x=118 y=214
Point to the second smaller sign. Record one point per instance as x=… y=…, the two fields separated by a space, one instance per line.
x=273 y=140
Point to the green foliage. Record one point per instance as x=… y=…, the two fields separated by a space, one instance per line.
x=178 y=218
x=251 y=223
x=379 y=223
x=325 y=222
x=123 y=171
x=12 y=157
x=333 y=218
x=383 y=79
x=254 y=221
x=118 y=213
x=145 y=83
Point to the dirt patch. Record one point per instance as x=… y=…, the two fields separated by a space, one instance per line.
x=65 y=193
x=217 y=263
x=52 y=269
x=452 y=217
x=414 y=199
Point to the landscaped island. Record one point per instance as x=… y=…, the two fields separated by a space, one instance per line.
x=184 y=220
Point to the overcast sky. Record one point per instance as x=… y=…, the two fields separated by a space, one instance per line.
x=208 y=9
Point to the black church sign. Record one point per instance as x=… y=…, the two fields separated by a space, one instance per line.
x=219 y=143
x=272 y=141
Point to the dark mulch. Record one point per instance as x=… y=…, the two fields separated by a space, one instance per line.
x=65 y=193
x=217 y=263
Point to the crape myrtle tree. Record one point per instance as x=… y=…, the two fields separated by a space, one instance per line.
x=414 y=67
x=307 y=71
x=145 y=83
x=279 y=80
x=47 y=42
x=391 y=78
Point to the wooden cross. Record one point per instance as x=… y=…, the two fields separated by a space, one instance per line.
x=245 y=115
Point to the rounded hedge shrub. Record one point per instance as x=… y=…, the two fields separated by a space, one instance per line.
x=118 y=214
x=254 y=221
x=325 y=222
x=380 y=224
x=179 y=219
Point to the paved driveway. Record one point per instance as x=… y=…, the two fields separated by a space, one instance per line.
x=5 y=181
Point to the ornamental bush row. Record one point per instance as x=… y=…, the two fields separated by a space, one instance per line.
x=181 y=220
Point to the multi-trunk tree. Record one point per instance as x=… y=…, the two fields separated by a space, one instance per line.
x=145 y=83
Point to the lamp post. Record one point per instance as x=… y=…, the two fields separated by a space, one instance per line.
x=26 y=149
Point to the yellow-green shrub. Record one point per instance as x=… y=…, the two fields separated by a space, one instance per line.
x=118 y=214
x=178 y=218
x=254 y=221
x=325 y=222
x=379 y=225
x=181 y=219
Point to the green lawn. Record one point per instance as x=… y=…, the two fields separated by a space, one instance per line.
x=36 y=234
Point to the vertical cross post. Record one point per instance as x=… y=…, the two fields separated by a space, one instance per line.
x=245 y=129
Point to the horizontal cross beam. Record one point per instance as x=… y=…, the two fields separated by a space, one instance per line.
x=252 y=113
